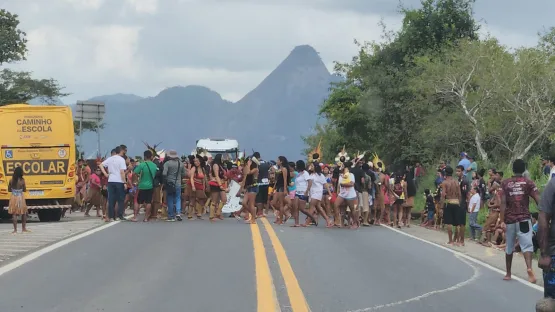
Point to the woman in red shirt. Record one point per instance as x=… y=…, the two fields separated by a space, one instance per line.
x=198 y=182
x=93 y=195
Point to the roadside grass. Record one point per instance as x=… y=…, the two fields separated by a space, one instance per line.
x=427 y=182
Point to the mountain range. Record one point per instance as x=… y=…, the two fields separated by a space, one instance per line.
x=270 y=119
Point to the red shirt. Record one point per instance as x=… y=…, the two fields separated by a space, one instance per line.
x=235 y=174
x=517 y=191
x=95 y=181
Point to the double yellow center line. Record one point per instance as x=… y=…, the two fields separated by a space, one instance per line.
x=265 y=291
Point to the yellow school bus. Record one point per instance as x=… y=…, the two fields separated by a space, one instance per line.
x=40 y=140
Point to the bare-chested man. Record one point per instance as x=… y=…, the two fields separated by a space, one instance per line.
x=450 y=199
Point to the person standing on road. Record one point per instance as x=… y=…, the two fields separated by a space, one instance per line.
x=17 y=206
x=249 y=188
x=515 y=214
x=319 y=183
x=173 y=173
x=347 y=196
x=93 y=195
x=116 y=181
x=218 y=188
x=546 y=238
x=365 y=194
x=450 y=199
x=263 y=184
x=359 y=184
x=147 y=172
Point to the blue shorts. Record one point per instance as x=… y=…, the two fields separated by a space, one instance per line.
x=302 y=197
x=252 y=189
x=431 y=214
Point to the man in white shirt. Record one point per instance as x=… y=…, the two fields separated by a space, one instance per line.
x=473 y=210
x=116 y=182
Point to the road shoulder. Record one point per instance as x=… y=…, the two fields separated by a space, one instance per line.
x=42 y=235
x=489 y=256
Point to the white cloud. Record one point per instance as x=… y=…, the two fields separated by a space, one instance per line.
x=233 y=97
x=115 y=49
x=509 y=38
x=144 y=6
x=96 y=47
x=85 y=4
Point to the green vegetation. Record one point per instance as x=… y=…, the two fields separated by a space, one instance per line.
x=434 y=88
x=19 y=86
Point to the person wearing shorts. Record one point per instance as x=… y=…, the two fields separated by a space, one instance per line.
x=451 y=213
x=319 y=183
x=261 y=199
x=303 y=183
x=515 y=214
x=147 y=173
x=451 y=197
x=347 y=196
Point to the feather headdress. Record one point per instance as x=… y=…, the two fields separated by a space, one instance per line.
x=343 y=153
x=317 y=150
x=152 y=148
x=377 y=160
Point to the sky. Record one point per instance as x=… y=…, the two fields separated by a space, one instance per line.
x=99 y=47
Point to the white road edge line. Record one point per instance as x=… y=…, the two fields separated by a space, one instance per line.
x=460 y=254
x=30 y=257
x=473 y=278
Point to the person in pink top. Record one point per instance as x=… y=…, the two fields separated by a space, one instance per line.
x=93 y=195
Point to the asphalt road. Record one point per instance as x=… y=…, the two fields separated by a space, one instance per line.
x=231 y=266
x=42 y=234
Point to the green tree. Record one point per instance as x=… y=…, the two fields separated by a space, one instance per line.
x=526 y=92
x=15 y=86
x=507 y=98
x=376 y=106
x=464 y=76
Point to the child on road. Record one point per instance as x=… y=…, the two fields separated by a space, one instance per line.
x=17 y=204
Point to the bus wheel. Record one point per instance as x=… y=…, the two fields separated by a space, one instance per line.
x=44 y=215
x=50 y=215
x=55 y=214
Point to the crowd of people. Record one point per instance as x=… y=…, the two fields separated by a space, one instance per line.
x=196 y=185
x=344 y=194
x=509 y=224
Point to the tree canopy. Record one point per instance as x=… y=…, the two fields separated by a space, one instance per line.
x=434 y=88
x=19 y=86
